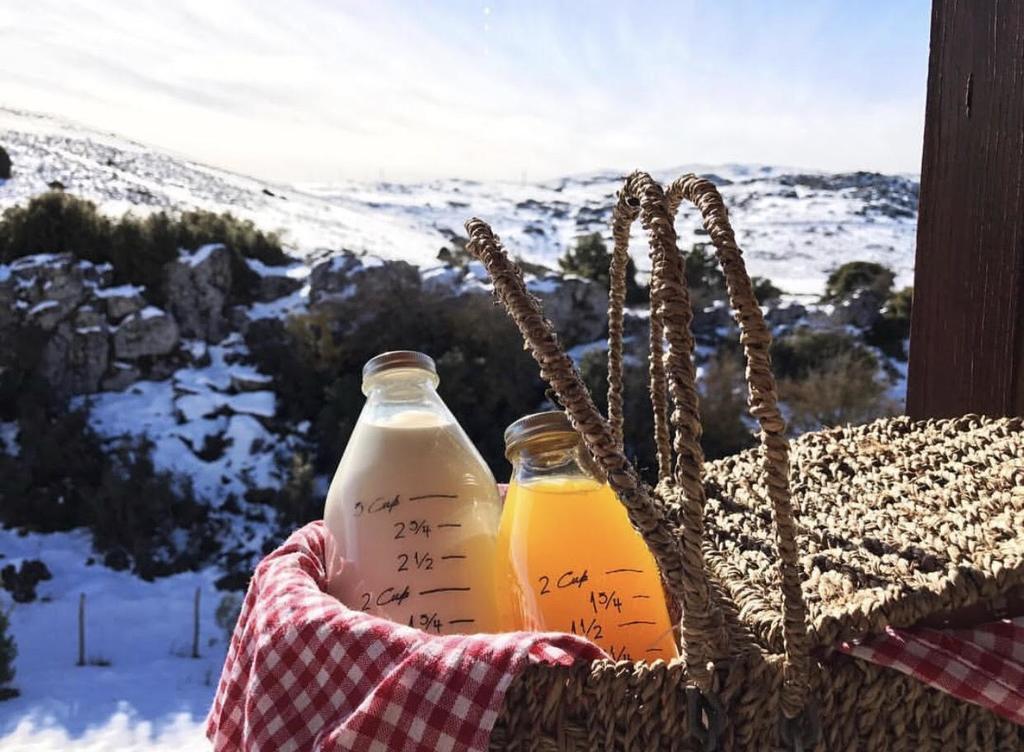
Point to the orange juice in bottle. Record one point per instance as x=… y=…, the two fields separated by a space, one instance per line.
x=567 y=553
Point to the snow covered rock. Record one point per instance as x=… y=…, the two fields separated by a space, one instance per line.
x=577 y=307
x=333 y=279
x=53 y=285
x=197 y=286
x=441 y=280
x=707 y=321
x=151 y=331
x=120 y=376
x=122 y=301
x=862 y=309
x=347 y=275
x=275 y=281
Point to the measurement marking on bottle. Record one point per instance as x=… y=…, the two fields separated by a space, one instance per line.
x=635 y=623
x=424 y=497
x=462 y=621
x=624 y=569
x=450 y=524
x=448 y=590
x=454 y=556
x=644 y=597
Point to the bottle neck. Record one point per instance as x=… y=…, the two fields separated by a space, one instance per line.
x=552 y=457
x=392 y=393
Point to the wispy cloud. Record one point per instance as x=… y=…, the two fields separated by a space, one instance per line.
x=313 y=89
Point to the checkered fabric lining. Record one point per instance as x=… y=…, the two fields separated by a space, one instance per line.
x=983 y=665
x=306 y=673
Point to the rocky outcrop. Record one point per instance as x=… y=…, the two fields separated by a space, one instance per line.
x=149 y=332
x=862 y=310
x=785 y=314
x=348 y=274
x=577 y=307
x=120 y=376
x=710 y=320
x=197 y=286
x=75 y=359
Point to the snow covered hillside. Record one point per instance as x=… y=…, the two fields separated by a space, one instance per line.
x=793 y=225
x=188 y=373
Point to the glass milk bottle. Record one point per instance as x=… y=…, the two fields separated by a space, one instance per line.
x=413 y=509
x=567 y=552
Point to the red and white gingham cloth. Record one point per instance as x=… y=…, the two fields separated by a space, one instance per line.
x=306 y=673
x=983 y=665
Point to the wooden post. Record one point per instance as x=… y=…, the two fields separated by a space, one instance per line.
x=967 y=334
x=81 y=630
x=195 y=625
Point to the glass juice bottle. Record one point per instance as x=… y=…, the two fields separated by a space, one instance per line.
x=413 y=510
x=567 y=552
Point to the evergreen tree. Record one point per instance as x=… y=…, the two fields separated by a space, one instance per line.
x=5 y=165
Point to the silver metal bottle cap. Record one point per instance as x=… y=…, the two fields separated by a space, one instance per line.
x=552 y=423
x=399 y=359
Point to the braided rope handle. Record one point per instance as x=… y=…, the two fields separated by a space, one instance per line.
x=679 y=558
x=670 y=310
x=559 y=371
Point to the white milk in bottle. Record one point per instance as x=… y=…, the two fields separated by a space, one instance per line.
x=413 y=510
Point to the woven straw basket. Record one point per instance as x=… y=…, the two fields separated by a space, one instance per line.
x=893 y=523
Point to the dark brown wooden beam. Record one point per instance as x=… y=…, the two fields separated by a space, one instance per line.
x=967 y=334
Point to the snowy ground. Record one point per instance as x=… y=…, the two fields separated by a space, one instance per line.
x=152 y=696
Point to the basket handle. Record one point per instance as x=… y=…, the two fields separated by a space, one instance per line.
x=671 y=312
x=559 y=371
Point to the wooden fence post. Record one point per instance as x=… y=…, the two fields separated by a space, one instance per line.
x=195 y=625
x=81 y=630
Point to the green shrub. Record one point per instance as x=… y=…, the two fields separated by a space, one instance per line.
x=48 y=486
x=137 y=248
x=841 y=391
x=859 y=276
x=487 y=379
x=723 y=406
x=20 y=386
x=591 y=259
x=5 y=164
x=703 y=272
x=795 y=356
x=890 y=333
x=136 y=510
x=764 y=290
x=62 y=479
x=8 y=652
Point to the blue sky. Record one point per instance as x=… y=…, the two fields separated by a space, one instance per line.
x=324 y=90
